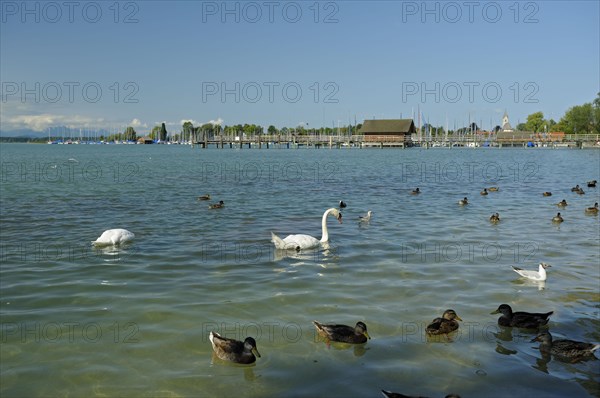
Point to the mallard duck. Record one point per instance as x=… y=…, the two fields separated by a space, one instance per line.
x=526 y=320
x=416 y=191
x=547 y=193
x=217 y=205
x=463 y=201
x=575 y=188
x=342 y=204
x=204 y=197
x=592 y=209
x=539 y=275
x=390 y=394
x=557 y=218
x=493 y=189
x=344 y=334
x=495 y=218
x=591 y=184
x=234 y=350
x=562 y=203
x=443 y=325
x=565 y=348
x=366 y=218
x=484 y=192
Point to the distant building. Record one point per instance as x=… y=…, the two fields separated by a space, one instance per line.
x=506 y=127
x=388 y=130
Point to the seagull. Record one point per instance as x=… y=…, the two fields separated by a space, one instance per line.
x=366 y=218
x=539 y=275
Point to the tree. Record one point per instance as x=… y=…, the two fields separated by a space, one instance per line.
x=578 y=120
x=163 y=132
x=130 y=134
x=535 y=122
x=272 y=130
x=154 y=133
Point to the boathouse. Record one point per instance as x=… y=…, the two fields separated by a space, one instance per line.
x=388 y=132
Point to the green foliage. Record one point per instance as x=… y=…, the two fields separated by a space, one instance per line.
x=163 y=132
x=535 y=122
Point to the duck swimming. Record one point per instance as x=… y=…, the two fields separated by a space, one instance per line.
x=565 y=348
x=204 y=197
x=591 y=184
x=342 y=204
x=219 y=205
x=495 y=218
x=593 y=210
x=575 y=188
x=557 y=218
x=562 y=203
x=484 y=192
x=344 y=334
x=416 y=191
x=525 y=320
x=493 y=189
x=234 y=350
x=547 y=193
x=443 y=325
x=463 y=201
x=539 y=275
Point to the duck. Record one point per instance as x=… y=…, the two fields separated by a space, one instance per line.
x=484 y=192
x=580 y=192
x=114 y=237
x=343 y=204
x=539 y=275
x=443 y=325
x=495 y=218
x=219 y=205
x=343 y=333
x=557 y=218
x=302 y=241
x=204 y=197
x=463 y=201
x=525 y=320
x=593 y=210
x=366 y=218
x=575 y=188
x=493 y=189
x=562 y=203
x=591 y=184
x=547 y=193
x=390 y=394
x=416 y=191
x=565 y=348
x=244 y=352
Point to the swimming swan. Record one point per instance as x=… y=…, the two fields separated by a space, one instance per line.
x=113 y=237
x=301 y=241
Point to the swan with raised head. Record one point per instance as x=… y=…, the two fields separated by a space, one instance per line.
x=301 y=241
x=113 y=237
x=539 y=275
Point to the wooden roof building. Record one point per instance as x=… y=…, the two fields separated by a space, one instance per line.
x=388 y=130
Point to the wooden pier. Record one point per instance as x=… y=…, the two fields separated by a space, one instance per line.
x=290 y=141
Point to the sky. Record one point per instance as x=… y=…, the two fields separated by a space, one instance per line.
x=106 y=65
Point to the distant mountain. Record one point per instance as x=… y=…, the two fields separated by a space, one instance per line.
x=23 y=133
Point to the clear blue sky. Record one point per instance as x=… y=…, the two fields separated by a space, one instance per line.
x=240 y=62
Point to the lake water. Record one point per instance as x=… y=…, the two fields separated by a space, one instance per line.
x=134 y=321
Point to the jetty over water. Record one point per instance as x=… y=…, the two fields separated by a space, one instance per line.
x=392 y=141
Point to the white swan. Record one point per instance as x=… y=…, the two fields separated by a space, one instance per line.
x=301 y=241
x=113 y=237
x=539 y=275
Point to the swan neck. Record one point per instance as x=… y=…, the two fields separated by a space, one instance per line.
x=325 y=234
